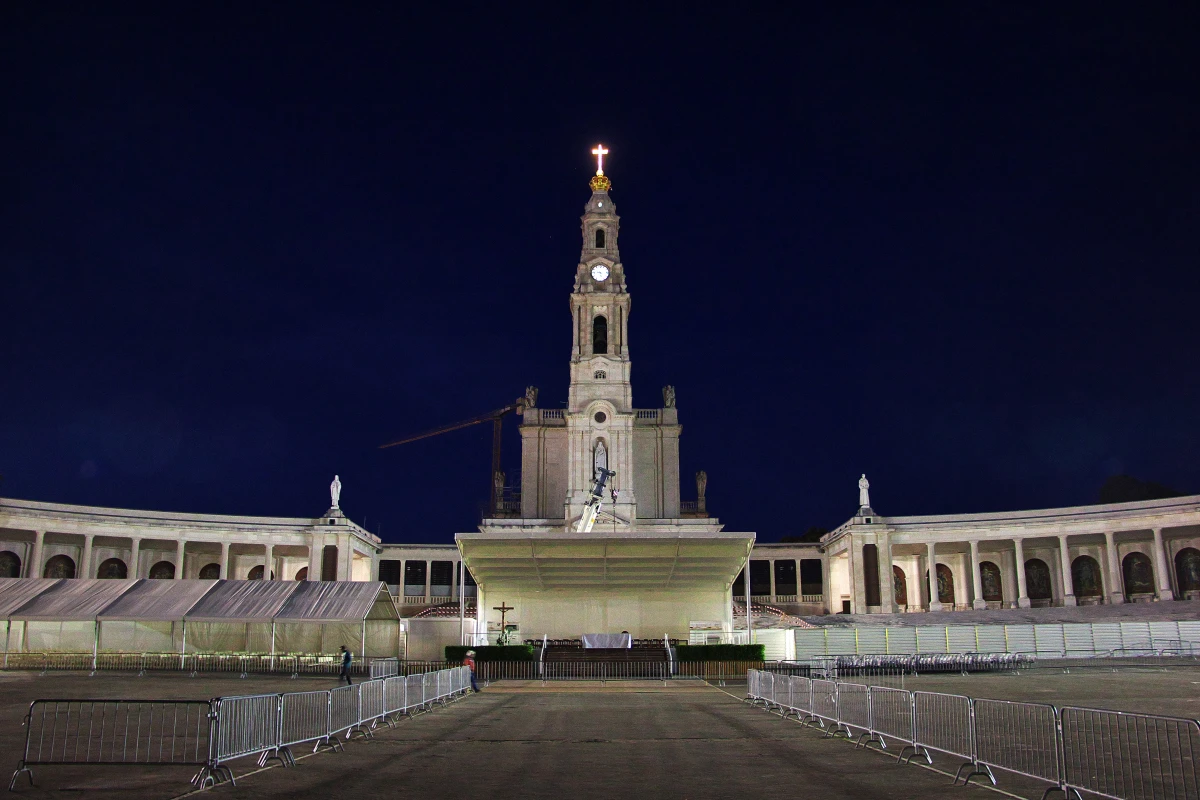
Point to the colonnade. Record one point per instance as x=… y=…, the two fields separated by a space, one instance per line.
x=907 y=572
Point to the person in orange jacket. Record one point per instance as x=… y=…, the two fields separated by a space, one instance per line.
x=469 y=663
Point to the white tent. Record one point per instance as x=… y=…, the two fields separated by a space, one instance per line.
x=149 y=617
x=82 y=615
x=63 y=617
x=319 y=617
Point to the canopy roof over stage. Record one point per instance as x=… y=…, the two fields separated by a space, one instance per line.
x=167 y=600
x=668 y=559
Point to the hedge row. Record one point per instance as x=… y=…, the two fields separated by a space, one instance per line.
x=514 y=652
x=720 y=652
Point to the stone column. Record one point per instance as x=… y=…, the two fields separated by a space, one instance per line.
x=976 y=578
x=934 y=603
x=1064 y=555
x=34 y=568
x=179 y=552
x=224 y=560
x=1019 y=555
x=1162 y=577
x=270 y=563
x=454 y=581
x=428 y=578
x=887 y=580
x=85 y=566
x=858 y=577
x=135 y=551
x=316 y=549
x=771 y=566
x=1116 y=582
x=826 y=590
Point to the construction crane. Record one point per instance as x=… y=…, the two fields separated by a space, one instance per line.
x=591 y=509
x=495 y=417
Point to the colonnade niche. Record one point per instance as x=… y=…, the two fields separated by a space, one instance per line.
x=10 y=565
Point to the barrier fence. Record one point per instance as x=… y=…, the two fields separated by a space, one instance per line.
x=210 y=734
x=1077 y=751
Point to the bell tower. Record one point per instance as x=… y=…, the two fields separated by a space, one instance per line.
x=600 y=413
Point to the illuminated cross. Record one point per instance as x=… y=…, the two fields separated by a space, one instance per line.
x=599 y=153
x=503 y=608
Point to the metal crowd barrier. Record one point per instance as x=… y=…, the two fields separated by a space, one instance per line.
x=1136 y=756
x=210 y=734
x=119 y=732
x=1077 y=751
x=605 y=670
x=241 y=663
x=384 y=667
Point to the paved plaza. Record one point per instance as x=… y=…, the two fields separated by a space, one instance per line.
x=684 y=739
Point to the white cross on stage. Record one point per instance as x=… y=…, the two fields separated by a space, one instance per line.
x=599 y=152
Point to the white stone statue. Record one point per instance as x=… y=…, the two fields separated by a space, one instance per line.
x=531 y=393
x=335 y=491
x=701 y=484
x=864 y=499
x=668 y=397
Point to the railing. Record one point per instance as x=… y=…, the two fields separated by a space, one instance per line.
x=210 y=734
x=135 y=732
x=1053 y=639
x=241 y=663
x=384 y=667
x=649 y=414
x=1110 y=754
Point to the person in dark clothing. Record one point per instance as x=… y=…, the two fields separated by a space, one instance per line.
x=346 y=659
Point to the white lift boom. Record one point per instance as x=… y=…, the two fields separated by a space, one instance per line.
x=592 y=507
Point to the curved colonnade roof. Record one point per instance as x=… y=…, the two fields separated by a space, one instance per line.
x=145 y=600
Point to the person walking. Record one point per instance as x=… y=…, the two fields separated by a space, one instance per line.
x=469 y=663
x=346 y=660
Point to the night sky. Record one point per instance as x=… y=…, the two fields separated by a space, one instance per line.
x=953 y=247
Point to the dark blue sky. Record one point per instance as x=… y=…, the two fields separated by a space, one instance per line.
x=951 y=246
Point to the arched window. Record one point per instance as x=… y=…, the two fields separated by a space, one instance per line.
x=600 y=336
x=113 y=569
x=162 y=570
x=599 y=238
x=60 y=567
x=900 y=584
x=210 y=572
x=1037 y=580
x=1187 y=570
x=599 y=374
x=10 y=564
x=302 y=575
x=1085 y=577
x=1138 y=574
x=989 y=578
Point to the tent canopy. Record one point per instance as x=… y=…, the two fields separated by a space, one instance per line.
x=73 y=600
x=157 y=600
x=337 y=601
x=166 y=600
x=242 y=601
x=16 y=592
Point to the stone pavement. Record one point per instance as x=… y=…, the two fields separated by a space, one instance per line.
x=580 y=741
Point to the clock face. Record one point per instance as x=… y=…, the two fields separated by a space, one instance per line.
x=600 y=272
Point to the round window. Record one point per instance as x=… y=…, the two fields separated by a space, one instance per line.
x=600 y=416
